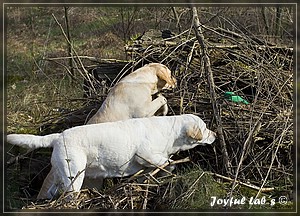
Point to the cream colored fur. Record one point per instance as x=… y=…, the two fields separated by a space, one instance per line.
x=115 y=149
x=129 y=98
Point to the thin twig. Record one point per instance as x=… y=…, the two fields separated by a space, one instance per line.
x=273 y=158
x=169 y=163
x=146 y=197
x=255 y=129
x=265 y=190
x=75 y=52
x=161 y=168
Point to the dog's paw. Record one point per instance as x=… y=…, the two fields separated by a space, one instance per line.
x=162 y=99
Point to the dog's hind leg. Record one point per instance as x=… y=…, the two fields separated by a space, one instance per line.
x=48 y=182
x=69 y=168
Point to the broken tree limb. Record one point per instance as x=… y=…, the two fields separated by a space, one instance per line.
x=210 y=80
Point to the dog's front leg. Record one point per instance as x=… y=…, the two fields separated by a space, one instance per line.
x=162 y=111
x=147 y=158
x=159 y=103
x=155 y=160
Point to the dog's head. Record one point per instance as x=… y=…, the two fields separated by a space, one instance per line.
x=196 y=133
x=165 y=78
x=200 y=134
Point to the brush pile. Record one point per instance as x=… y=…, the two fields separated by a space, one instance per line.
x=169 y=192
x=258 y=133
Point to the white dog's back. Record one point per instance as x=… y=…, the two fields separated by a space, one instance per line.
x=116 y=149
x=109 y=130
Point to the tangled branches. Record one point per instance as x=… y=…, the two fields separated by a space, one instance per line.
x=258 y=135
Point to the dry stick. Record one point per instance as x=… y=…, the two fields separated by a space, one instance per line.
x=118 y=203
x=64 y=66
x=244 y=184
x=160 y=167
x=273 y=158
x=74 y=51
x=177 y=47
x=146 y=197
x=167 y=171
x=210 y=79
x=123 y=71
x=168 y=163
x=71 y=57
x=255 y=129
x=177 y=19
x=187 y=193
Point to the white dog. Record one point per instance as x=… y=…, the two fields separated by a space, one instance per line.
x=129 y=98
x=116 y=149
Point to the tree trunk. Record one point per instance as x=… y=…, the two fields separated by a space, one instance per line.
x=278 y=22
x=211 y=84
x=69 y=44
x=263 y=12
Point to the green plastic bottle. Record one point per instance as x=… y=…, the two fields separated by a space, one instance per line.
x=235 y=98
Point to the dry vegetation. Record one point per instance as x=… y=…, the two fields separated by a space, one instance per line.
x=250 y=54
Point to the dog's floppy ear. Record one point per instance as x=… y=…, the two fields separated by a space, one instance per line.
x=164 y=74
x=194 y=132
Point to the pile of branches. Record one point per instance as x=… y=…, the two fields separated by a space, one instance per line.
x=142 y=191
x=258 y=134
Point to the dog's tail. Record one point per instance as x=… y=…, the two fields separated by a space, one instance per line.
x=32 y=141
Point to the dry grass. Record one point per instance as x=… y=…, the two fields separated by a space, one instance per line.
x=259 y=136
